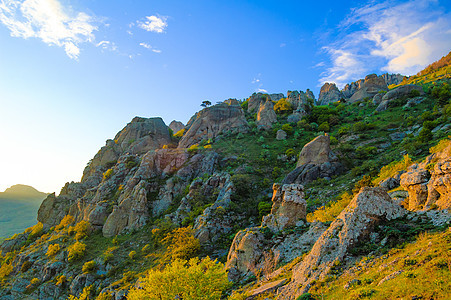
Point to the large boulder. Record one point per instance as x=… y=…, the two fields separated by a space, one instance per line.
x=369 y=207
x=266 y=115
x=370 y=87
x=288 y=208
x=316 y=160
x=211 y=121
x=329 y=93
x=276 y=97
x=300 y=101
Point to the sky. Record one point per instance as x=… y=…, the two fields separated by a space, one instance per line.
x=75 y=72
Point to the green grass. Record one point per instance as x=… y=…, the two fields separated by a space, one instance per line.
x=426 y=266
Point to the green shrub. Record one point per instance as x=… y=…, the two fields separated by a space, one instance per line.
x=287 y=128
x=324 y=127
x=180 y=133
x=425 y=135
x=53 y=249
x=188 y=280
x=107 y=174
x=76 y=251
x=283 y=106
x=264 y=208
x=181 y=244
x=89 y=266
x=81 y=230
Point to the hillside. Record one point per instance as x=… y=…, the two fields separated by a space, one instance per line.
x=294 y=200
x=19 y=205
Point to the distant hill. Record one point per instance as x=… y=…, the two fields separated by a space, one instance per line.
x=19 y=206
x=22 y=192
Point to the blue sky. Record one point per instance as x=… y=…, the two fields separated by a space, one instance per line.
x=74 y=72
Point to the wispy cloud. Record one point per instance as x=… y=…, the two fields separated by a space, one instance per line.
x=49 y=21
x=107 y=45
x=147 y=46
x=156 y=24
x=259 y=90
x=396 y=37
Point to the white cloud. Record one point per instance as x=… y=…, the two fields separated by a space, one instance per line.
x=49 y=21
x=147 y=46
x=107 y=45
x=392 y=37
x=261 y=90
x=154 y=24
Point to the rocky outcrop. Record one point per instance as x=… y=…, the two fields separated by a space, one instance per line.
x=212 y=121
x=288 y=208
x=369 y=207
x=301 y=101
x=281 y=135
x=352 y=87
x=276 y=97
x=232 y=101
x=369 y=88
x=316 y=160
x=255 y=100
x=138 y=137
x=251 y=251
x=429 y=182
x=392 y=78
x=176 y=126
x=266 y=115
x=53 y=209
x=401 y=91
x=329 y=93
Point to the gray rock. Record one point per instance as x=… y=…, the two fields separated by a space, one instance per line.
x=176 y=126
x=266 y=115
x=369 y=88
x=397 y=136
x=329 y=93
x=281 y=135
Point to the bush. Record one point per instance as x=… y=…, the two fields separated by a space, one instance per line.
x=67 y=220
x=192 y=280
x=181 y=244
x=287 y=128
x=414 y=93
x=36 y=231
x=264 y=208
x=89 y=266
x=81 y=230
x=324 y=127
x=108 y=173
x=132 y=255
x=61 y=280
x=425 y=135
x=76 y=251
x=193 y=148
x=290 y=153
x=180 y=133
x=53 y=249
x=35 y=281
x=283 y=106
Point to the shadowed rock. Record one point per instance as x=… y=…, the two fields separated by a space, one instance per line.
x=211 y=121
x=329 y=93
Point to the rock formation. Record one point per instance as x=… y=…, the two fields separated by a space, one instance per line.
x=392 y=78
x=370 y=87
x=352 y=87
x=255 y=100
x=401 y=91
x=276 y=97
x=428 y=186
x=329 y=93
x=368 y=207
x=266 y=115
x=176 y=126
x=301 y=101
x=316 y=160
x=288 y=208
x=211 y=121
x=138 y=137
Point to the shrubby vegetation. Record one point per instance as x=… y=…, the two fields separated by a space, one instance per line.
x=189 y=280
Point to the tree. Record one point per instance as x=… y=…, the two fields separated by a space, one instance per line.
x=187 y=280
x=205 y=103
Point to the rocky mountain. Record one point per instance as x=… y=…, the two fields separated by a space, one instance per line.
x=292 y=199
